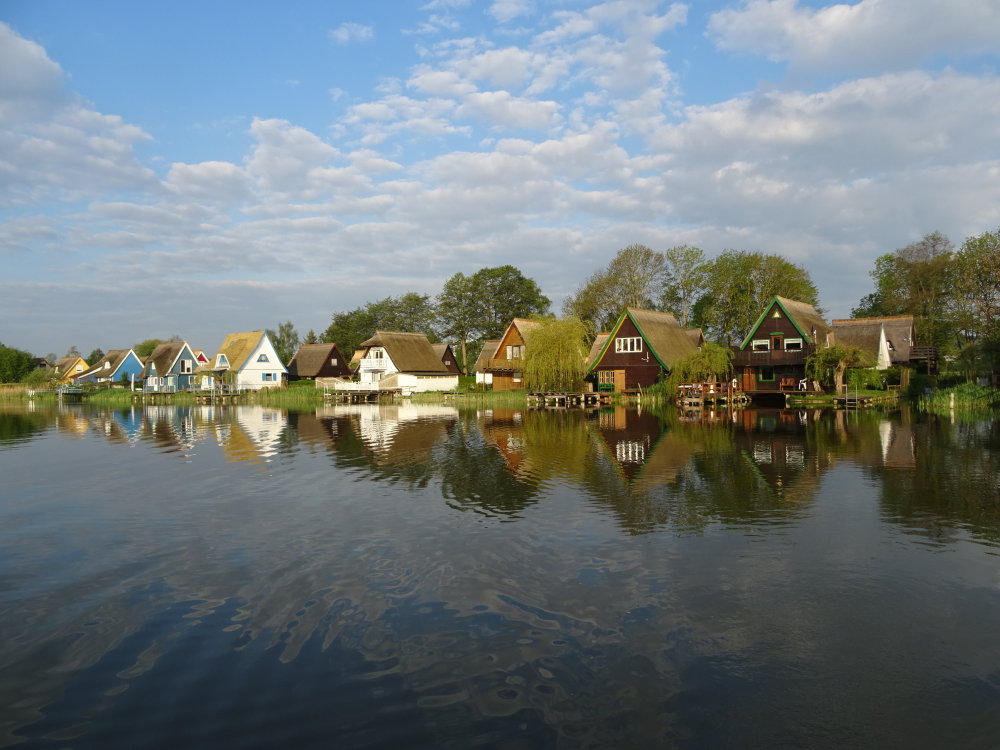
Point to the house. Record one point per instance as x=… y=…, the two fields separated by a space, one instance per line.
x=504 y=366
x=489 y=349
x=313 y=361
x=170 y=368
x=405 y=361
x=642 y=346
x=890 y=340
x=114 y=367
x=200 y=357
x=595 y=349
x=447 y=357
x=245 y=361
x=67 y=368
x=773 y=355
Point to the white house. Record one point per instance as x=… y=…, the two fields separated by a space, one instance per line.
x=404 y=361
x=247 y=361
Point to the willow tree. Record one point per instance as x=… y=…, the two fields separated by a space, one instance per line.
x=824 y=365
x=712 y=363
x=555 y=355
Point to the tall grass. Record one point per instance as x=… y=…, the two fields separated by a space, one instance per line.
x=966 y=397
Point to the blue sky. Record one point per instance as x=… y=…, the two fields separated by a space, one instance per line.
x=200 y=168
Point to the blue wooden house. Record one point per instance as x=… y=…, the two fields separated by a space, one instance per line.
x=170 y=368
x=117 y=366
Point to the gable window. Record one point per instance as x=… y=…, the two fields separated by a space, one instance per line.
x=793 y=345
x=376 y=354
x=333 y=361
x=187 y=366
x=515 y=352
x=629 y=344
x=761 y=345
x=263 y=358
x=447 y=361
x=222 y=361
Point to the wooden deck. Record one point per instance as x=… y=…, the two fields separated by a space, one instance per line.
x=564 y=400
x=700 y=395
x=360 y=396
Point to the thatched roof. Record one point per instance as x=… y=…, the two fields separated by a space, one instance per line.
x=864 y=334
x=409 y=352
x=489 y=351
x=113 y=359
x=668 y=341
x=64 y=366
x=311 y=359
x=162 y=358
x=237 y=347
x=807 y=319
x=696 y=335
x=596 y=347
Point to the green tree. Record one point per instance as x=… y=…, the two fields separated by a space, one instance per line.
x=410 y=312
x=712 y=363
x=310 y=337
x=145 y=348
x=830 y=364
x=634 y=278
x=458 y=313
x=94 y=356
x=15 y=364
x=504 y=294
x=555 y=355
x=684 y=277
x=738 y=284
x=917 y=280
x=285 y=341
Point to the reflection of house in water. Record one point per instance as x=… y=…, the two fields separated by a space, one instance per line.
x=504 y=429
x=641 y=449
x=897 y=441
x=776 y=444
x=255 y=435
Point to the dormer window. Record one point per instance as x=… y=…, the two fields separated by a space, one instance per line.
x=222 y=361
x=263 y=358
x=107 y=365
x=376 y=354
x=187 y=367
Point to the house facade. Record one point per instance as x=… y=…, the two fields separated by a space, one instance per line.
x=483 y=376
x=170 y=368
x=404 y=361
x=506 y=364
x=118 y=365
x=245 y=361
x=313 y=361
x=447 y=357
x=642 y=346
x=67 y=368
x=773 y=355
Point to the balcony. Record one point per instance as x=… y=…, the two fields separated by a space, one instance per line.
x=772 y=358
x=501 y=365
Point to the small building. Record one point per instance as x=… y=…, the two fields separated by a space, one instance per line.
x=642 y=346
x=201 y=358
x=406 y=362
x=170 y=368
x=117 y=366
x=67 y=368
x=484 y=377
x=447 y=357
x=506 y=364
x=773 y=355
x=245 y=361
x=890 y=340
x=313 y=361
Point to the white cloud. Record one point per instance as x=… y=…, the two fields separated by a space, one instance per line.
x=351 y=32
x=871 y=35
x=500 y=108
x=211 y=182
x=507 y=10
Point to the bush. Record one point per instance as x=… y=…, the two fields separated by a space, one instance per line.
x=867 y=379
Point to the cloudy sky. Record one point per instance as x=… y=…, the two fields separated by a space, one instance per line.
x=198 y=168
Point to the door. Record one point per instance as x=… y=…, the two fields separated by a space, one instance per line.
x=777 y=342
x=749 y=381
x=619 y=381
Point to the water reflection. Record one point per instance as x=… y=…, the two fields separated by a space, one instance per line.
x=425 y=576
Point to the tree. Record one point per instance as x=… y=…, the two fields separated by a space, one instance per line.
x=310 y=337
x=712 y=363
x=411 y=312
x=738 y=285
x=285 y=341
x=824 y=365
x=95 y=356
x=504 y=294
x=555 y=355
x=634 y=278
x=145 y=348
x=684 y=281
x=73 y=352
x=977 y=286
x=458 y=312
x=15 y=364
x=916 y=280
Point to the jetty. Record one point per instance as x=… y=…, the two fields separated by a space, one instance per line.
x=564 y=399
x=710 y=394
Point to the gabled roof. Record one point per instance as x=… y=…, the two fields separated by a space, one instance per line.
x=696 y=335
x=489 y=351
x=310 y=359
x=409 y=352
x=524 y=326
x=864 y=333
x=664 y=336
x=807 y=321
x=595 y=349
x=237 y=347
x=163 y=358
x=113 y=358
x=64 y=365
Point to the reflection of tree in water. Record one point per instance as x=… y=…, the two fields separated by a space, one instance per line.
x=953 y=484
x=18 y=426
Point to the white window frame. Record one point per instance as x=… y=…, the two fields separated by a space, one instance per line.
x=263 y=358
x=797 y=345
x=187 y=366
x=221 y=360
x=333 y=361
x=605 y=377
x=628 y=344
x=760 y=345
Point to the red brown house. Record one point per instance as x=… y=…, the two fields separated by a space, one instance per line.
x=641 y=347
x=447 y=357
x=313 y=361
x=507 y=361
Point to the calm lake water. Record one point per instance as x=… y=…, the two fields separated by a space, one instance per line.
x=424 y=577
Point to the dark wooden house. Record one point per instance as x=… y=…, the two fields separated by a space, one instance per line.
x=447 y=357
x=773 y=355
x=313 y=361
x=506 y=364
x=641 y=347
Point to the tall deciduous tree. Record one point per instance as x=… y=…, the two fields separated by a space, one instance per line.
x=95 y=356
x=458 y=312
x=738 y=285
x=555 y=355
x=410 y=312
x=504 y=294
x=634 y=278
x=15 y=364
x=285 y=340
x=684 y=281
x=145 y=348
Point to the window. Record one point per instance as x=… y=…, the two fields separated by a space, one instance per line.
x=630 y=344
x=765 y=374
x=606 y=376
x=761 y=345
x=447 y=361
x=221 y=361
x=79 y=368
x=263 y=358
x=793 y=345
x=267 y=377
x=517 y=376
x=107 y=365
x=187 y=366
x=515 y=352
x=333 y=361
x=376 y=353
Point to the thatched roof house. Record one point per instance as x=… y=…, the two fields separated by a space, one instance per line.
x=313 y=361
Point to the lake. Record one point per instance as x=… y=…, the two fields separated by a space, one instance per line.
x=415 y=576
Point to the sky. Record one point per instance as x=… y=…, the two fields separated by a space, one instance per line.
x=195 y=169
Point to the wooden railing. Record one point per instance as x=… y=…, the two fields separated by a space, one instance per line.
x=503 y=364
x=772 y=357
